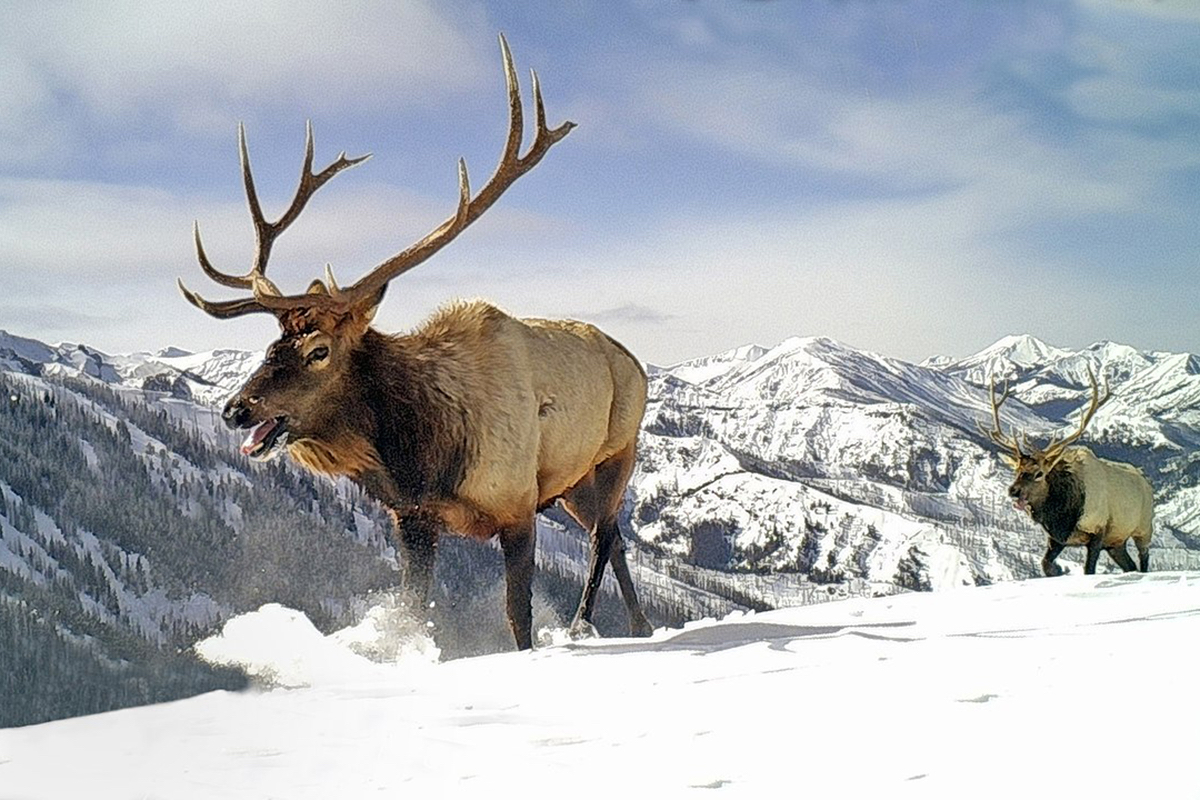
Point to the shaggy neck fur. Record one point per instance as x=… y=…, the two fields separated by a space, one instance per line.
x=1059 y=513
x=397 y=435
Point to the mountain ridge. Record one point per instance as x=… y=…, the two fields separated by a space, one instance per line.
x=819 y=459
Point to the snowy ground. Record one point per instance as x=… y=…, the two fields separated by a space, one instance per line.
x=1069 y=687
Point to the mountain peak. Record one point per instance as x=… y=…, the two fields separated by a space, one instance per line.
x=708 y=368
x=1022 y=349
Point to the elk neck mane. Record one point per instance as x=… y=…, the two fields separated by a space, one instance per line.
x=1060 y=512
x=400 y=434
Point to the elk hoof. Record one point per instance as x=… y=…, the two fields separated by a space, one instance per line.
x=640 y=627
x=582 y=629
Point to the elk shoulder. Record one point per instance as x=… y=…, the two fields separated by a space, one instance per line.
x=1117 y=498
x=543 y=401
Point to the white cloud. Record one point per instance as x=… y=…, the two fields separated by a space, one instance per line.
x=905 y=275
x=189 y=64
x=1172 y=10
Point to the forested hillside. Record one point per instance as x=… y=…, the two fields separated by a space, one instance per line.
x=131 y=527
x=127 y=536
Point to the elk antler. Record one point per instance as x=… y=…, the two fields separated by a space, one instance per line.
x=1054 y=451
x=265 y=232
x=267 y=298
x=996 y=434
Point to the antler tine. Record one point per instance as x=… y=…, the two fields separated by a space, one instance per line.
x=266 y=232
x=511 y=167
x=232 y=281
x=310 y=182
x=1056 y=448
x=996 y=434
x=224 y=309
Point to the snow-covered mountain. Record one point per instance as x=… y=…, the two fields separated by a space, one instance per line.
x=818 y=458
x=208 y=377
x=982 y=691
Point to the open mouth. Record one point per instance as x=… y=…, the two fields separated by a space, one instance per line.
x=1021 y=505
x=265 y=438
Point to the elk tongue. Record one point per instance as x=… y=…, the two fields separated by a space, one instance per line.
x=257 y=434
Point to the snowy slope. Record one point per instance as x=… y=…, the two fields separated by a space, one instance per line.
x=995 y=691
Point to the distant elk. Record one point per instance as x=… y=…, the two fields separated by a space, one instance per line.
x=1078 y=498
x=474 y=422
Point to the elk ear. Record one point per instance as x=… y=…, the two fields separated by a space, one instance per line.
x=1009 y=459
x=369 y=308
x=355 y=320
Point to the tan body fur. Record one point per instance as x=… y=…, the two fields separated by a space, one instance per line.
x=543 y=401
x=1118 y=500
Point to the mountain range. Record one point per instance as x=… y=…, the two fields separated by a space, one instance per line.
x=816 y=457
x=766 y=477
x=833 y=461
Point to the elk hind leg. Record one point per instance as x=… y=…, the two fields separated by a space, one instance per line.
x=583 y=502
x=638 y=624
x=1143 y=547
x=518 y=543
x=1120 y=555
x=595 y=502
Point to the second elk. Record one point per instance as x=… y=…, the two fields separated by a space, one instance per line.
x=1077 y=497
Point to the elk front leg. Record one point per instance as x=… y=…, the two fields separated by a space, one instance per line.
x=417 y=537
x=1094 y=545
x=518 y=544
x=1053 y=549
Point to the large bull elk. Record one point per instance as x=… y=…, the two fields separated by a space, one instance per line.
x=473 y=422
x=1078 y=498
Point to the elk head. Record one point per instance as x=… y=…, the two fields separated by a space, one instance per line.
x=294 y=394
x=1033 y=465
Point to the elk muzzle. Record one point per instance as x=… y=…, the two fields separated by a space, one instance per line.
x=237 y=413
x=265 y=437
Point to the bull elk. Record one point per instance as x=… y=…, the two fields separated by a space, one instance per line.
x=473 y=422
x=1077 y=497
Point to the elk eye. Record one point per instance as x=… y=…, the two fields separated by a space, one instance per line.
x=317 y=354
x=1039 y=475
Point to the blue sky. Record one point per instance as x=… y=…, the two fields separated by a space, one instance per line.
x=908 y=176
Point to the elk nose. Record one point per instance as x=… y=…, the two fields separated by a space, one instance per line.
x=1013 y=491
x=236 y=413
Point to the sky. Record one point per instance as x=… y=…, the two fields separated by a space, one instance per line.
x=912 y=177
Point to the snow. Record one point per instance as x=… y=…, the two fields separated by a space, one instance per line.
x=709 y=368
x=1035 y=687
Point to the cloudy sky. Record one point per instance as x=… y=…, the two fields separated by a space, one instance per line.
x=908 y=176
